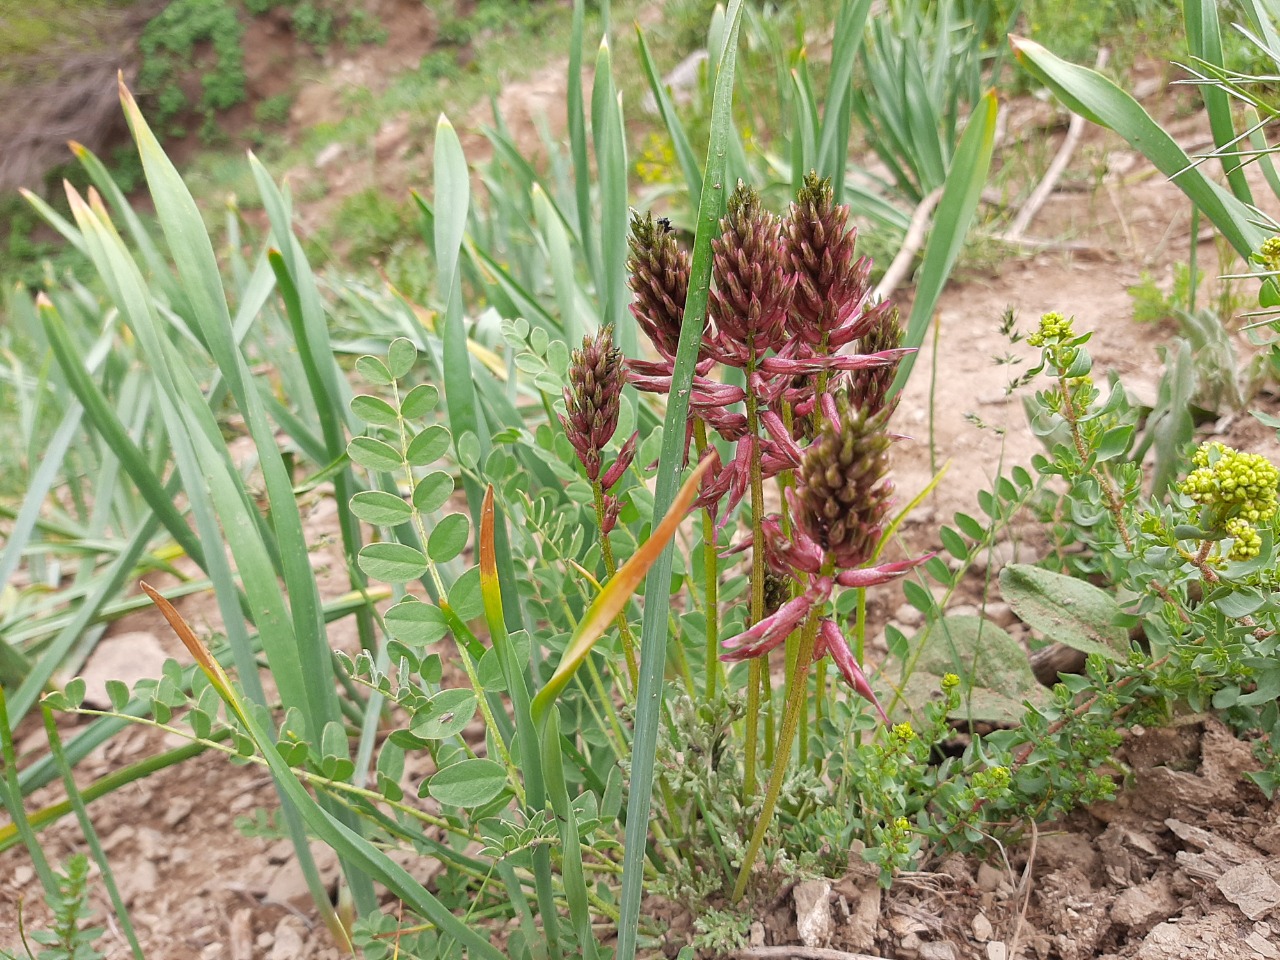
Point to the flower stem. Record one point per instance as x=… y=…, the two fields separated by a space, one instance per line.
x=790 y=722
x=755 y=669
x=611 y=568
x=711 y=585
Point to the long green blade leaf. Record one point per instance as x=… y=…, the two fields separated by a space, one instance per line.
x=653 y=637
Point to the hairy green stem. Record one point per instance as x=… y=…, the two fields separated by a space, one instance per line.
x=711 y=584
x=756 y=672
x=790 y=722
x=611 y=568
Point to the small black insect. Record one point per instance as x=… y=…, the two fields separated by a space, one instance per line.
x=665 y=224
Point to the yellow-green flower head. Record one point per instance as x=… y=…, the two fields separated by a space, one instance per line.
x=949 y=682
x=1054 y=328
x=1243 y=483
x=903 y=733
x=1248 y=544
x=1269 y=253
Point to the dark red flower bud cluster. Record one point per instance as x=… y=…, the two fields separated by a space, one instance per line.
x=597 y=374
x=792 y=307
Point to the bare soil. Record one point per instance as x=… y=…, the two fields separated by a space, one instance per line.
x=1183 y=865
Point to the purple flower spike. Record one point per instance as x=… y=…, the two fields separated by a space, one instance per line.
x=832 y=641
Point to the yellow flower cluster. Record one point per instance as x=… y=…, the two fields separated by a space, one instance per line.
x=1054 y=327
x=1241 y=486
x=1269 y=253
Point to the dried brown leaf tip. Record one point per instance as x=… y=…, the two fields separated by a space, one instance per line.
x=659 y=276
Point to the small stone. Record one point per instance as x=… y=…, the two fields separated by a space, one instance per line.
x=120 y=835
x=265 y=939
x=1268 y=838
x=909 y=946
x=1000 y=613
x=328 y=155
x=23 y=875
x=908 y=616
x=240 y=935
x=1262 y=945
x=179 y=809
x=938 y=950
x=1251 y=889
x=756 y=935
x=1145 y=904
x=989 y=878
x=814 y=922
x=981 y=927
x=280 y=851
x=997 y=950
x=963 y=610
x=289 y=940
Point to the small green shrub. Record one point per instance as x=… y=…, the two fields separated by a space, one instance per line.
x=170 y=42
x=69 y=938
x=273 y=111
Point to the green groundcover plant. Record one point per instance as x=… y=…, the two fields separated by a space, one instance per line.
x=608 y=541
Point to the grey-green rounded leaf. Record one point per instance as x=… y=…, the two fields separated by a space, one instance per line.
x=449 y=537
x=118 y=693
x=428 y=446
x=374 y=410
x=465 y=597
x=392 y=562
x=469 y=450
x=468 y=783
x=375 y=455
x=445 y=715
x=401 y=356
x=374 y=371
x=415 y=623
x=433 y=491
x=380 y=508
x=419 y=401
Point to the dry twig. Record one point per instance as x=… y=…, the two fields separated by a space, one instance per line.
x=1075 y=130
x=799 y=953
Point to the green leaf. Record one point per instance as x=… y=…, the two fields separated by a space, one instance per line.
x=374 y=455
x=449 y=537
x=419 y=401
x=374 y=371
x=465 y=597
x=468 y=783
x=995 y=675
x=446 y=714
x=416 y=623
x=118 y=694
x=401 y=356
x=1097 y=99
x=380 y=508
x=433 y=491
x=428 y=446
x=374 y=410
x=1070 y=611
x=653 y=641
x=392 y=562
